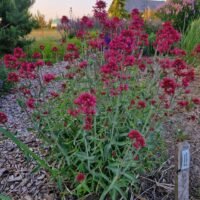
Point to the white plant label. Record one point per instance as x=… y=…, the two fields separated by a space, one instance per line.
x=185 y=161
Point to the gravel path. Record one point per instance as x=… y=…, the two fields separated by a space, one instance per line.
x=16 y=177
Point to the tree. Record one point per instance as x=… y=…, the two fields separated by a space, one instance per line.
x=15 y=23
x=40 y=19
x=117 y=9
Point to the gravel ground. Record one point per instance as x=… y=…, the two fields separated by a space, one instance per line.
x=16 y=177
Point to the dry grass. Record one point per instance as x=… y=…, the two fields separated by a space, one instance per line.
x=44 y=34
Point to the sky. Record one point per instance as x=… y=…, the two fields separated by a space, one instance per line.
x=57 y=8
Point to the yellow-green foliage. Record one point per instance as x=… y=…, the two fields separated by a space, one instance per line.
x=191 y=39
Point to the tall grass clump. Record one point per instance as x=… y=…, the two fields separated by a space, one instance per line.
x=191 y=39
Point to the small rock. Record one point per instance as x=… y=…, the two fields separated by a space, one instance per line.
x=14 y=179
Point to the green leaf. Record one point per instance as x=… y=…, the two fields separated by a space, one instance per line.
x=83 y=156
x=2 y=197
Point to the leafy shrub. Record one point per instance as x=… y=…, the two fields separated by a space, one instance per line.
x=180 y=13
x=102 y=117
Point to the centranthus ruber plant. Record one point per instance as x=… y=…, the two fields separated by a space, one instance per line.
x=102 y=115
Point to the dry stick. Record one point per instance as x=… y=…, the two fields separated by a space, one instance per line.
x=140 y=196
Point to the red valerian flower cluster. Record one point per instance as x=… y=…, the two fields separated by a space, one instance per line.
x=86 y=103
x=169 y=85
x=72 y=53
x=48 y=77
x=64 y=20
x=196 y=100
x=138 y=139
x=166 y=38
x=30 y=103
x=80 y=177
x=99 y=11
x=86 y=22
x=3 y=118
x=13 y=77
x=18 y=53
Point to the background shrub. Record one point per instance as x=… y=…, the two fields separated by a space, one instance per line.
x=190 y=39
x=16 y=22
x=180 y=12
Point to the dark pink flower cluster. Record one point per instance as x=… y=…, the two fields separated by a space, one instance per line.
x=83 y=64
x=72 y=52
x=19 y=53
x=166 y=38
x=183 y=103
x=27 y=70
x=37 y=55
x=48 y=77
x=13 y=77
x=169 y=85
x=178 y=52
x=64 y=20
x=86 y=103
x=86 y=22
x=11 y=61
x=138 y=139
x=30 y=103
x=80 y=177
x=99 y=11
x=196 y=100
x=3 y=118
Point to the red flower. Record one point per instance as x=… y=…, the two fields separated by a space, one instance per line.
x=153 y=102
x=54 y=49
x=166 y=37
x=129 y=61
x=64 y=20
x=139 y=140
x=42 y=47
x=73 y=113
x=30 y=103
x=88 y=123
x=141 y=104
x=183 y=103
x=100 y=4
x=71 y=47
x=13 y=77
x=83 y=64
x=86 y=22
x=197 y=49
x=54 y=94
x=196 y=100
x=40 y=63
x=169 y=85
x=3 y=118
x=18 y=53
x=86 y=103
x=142 y=67
x=37 y=55
x=49 y=77
x=10 y=61
x=80 y=177
x=178 y=52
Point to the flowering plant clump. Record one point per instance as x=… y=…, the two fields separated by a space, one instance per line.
x=180 y=12
x=102 y=116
